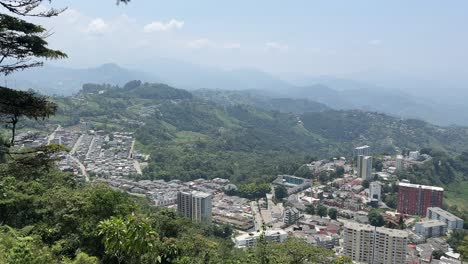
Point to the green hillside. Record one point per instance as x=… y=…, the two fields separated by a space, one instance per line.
x=189 y=137
x=384 y=133
x=260 y=100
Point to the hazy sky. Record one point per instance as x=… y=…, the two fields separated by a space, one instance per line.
x=312 y=37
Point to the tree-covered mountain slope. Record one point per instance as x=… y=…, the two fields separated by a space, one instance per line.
x=190 y=137
x=384 y=133
x=259 y=99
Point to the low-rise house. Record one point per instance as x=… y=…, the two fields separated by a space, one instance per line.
x=250 y=239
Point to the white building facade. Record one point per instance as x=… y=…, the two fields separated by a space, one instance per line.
x=436 y=213
x=367 y=244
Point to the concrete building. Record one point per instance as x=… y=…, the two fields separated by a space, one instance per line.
x=364 y=167
x=399 y=163
x=201 y=207
x=367 y=244
x=326 y=241
x=414 y=199
x=291 y=215
x=414 y=155
x=375 y=190
x=184 y=204
x=362 y=151
x=452 y=221
x=250 y=239
x=292 y=183
x=431 y=228
x=195 y=205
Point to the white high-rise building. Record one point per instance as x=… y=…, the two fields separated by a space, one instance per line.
x=375 y=190
x=184 y=204
x=363 y=150
x=195 y=205
x=364 y=167
x=367 y=244
x=399 y=163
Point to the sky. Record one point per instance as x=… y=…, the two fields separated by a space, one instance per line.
x=308 y=37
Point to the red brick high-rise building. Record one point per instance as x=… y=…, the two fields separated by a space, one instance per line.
x=414 y=199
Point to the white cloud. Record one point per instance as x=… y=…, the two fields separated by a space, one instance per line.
x=375 y=42
x=276 y=46
x=97 y=26
x=234 y=45
x=161 y=26
x=201 y=43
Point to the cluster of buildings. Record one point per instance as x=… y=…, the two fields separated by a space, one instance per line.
x=419 y=206
x=91 y=152
x=200 y=200
x=437 y=223
x=112 y=156
x=31 y=139
x=107 y=155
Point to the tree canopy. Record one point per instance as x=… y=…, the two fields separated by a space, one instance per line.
x=376 y=218
x=16 y=104
x=322 y=210
x=21 y=43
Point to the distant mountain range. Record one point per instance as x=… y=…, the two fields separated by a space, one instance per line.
x=337 y=93
x=54 y=80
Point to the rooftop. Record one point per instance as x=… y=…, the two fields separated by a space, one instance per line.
x=200 y=194
x=393 y=232
x=431 y=223
x=268 y=233
x=444 y=214
x=382 y=230
x=362 y=147
x=434 y=188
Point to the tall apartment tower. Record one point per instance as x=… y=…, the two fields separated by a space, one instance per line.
x=364 y=167
x=375 y=190
x=414 y=199
x=368 y=244
x=363 y=150
x=184 y=204
x=399 y=163
x=195 y=205
x=201 y=207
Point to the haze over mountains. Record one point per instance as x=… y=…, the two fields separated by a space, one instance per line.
x=336 y=93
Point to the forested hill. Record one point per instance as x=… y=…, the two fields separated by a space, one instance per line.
x=384 y=133
x=191 y=137
x=260 y=100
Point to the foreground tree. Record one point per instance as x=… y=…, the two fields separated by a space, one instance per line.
x=22 y=46
x=17 y=104
x=21 y=43
x=134 y=240
x=297 y=251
